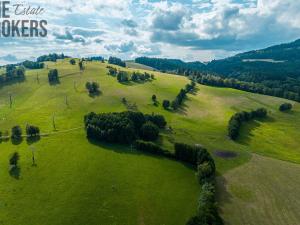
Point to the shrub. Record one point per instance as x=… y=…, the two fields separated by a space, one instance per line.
x=32 y=130
x=285 y=107
x=149 y=131
x=153 y=98
x=16 y=132
x=166 y=104
x=93 y=88
x=72 y=61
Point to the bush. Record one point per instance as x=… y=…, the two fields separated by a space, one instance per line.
x=93 y=88
x=72 y=61
x=149 y=131
x=166 y=104
x=32 y=130
x=285 y=107
x=16 y=132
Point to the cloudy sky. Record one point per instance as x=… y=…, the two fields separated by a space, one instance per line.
x=188 y=29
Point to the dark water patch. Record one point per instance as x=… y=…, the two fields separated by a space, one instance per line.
x=225 y=154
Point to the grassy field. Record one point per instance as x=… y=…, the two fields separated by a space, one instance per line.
x=134 y=65
x=114 y=184
x=263 y=191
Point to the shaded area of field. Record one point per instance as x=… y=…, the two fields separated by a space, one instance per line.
x=263 y=191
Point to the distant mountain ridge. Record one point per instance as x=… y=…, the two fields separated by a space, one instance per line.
x=273 y=63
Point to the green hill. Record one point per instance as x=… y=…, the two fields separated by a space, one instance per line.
x=76 y=181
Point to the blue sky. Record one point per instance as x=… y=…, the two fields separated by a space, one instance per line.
x=190 y=30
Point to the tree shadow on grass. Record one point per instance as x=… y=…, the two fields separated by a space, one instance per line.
x=222 y=194
x=16 y=140
x=248 y=127
x=15 y=172
x=125 y=149
x=194 y=91
x=95 y=94
x=33 y=139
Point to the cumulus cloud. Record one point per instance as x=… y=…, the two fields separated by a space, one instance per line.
x=206 y=29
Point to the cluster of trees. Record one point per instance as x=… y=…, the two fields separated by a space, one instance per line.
x=116 y=61
x=95 y=58
x=33 y=65
x=237 y=120
x=124 y=76
x=123 y=127
x=81 y=65
x=51 y=57
x=285 y=107
x=13 y=73
x=137 y=76
x=53 y=77
x=177 y=102
x=93 y=88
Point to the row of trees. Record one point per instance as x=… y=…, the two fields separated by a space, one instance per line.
x=177 y=102
x=237 y=120
x=284 y=90
x=33 y=65
x=116 y=61
x=31 y=131
x=124 y=76
x=124 y=127
x=51 y=57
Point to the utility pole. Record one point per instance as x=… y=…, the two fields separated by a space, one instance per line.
x=53 y=122
x=37 y=78
x=66 y=100
x=33 y=157
x=10 y=100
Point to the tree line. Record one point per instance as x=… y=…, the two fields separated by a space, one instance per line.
x=51 y=57
x=33 y=65
x=116 y=61
x=13 y=73
x=239 y=118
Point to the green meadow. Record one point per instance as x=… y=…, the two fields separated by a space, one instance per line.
x=79 y=182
